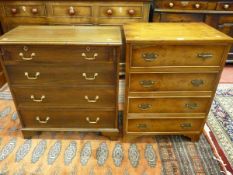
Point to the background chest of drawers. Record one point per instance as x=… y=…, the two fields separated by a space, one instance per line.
x=172 y=71
x=216 y=13
x=14 y=13
x=64 y=78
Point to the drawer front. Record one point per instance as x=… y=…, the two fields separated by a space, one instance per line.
x=164 y=125
x=226 y=6
x=183 y=5
x=25 y=10
x=169 y=105
x=84 y=74
x=177 y=17
x=67 y=119
x=57 y=54
x=121 y=11
x=152 y=56
x=71 y=10
x=82 y=97
x=145 y=82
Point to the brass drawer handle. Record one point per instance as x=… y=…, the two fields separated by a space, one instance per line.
x=32 y=78
x=149 y=56
x=90 y=78
x=197 y=83
x=186 y=125
x=90 y=58
x=142 y=126
x=93 y=100
x=92 y=122
x=25 y=58
x=147 y=83
x=42 y=121
x=205 y=55
x=191 y=105
x=144 y=106
x=38 y=100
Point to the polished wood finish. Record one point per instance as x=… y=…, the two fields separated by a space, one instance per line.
x=82 y=97
x=14 y=13
x=167 y=104
x=67 y=118
x=164 y=125
x=185 y=5
x=142 y=82
x=87 y=74
x=139 y=32
x=59 y=12
x=83 y=54
x=164 y=55
x=216 y=13
x=176 y=17
x=172 y=72
x=64 y=79
x=74 y=35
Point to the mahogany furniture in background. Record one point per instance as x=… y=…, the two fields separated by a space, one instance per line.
x=61 y=12
x=172 y=72
x=14 y=13
x=64 y=78
x=216 y=13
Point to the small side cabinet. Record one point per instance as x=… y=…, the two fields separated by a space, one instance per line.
x=172 y=71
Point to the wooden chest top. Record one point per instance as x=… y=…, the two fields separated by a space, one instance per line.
x=173 y=33
x=63 y=35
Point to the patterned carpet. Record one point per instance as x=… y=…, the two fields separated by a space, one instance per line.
x=220 y=122
x=91 y=154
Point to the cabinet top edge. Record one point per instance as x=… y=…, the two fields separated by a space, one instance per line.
x=173 y=33
x=63 y=35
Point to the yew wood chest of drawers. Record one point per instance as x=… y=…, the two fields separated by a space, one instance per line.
x=64 y=78
x=172 y=72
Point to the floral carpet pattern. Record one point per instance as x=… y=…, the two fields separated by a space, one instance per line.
x=56 y=153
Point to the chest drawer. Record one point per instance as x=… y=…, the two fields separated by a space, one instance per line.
x=85 y=74
x=57 y=54
x=121 y=11
x=168 y=105
x=177 y=17
x=70 y=10
x=164 y=125
x=227 y=6
x=144 y=82
x=67 y=119
x=152 y=56
x=184 y=5
x=82 y=97
x=25 y=9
